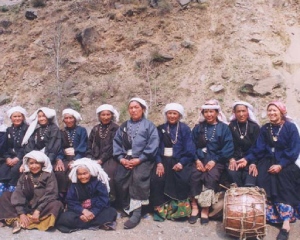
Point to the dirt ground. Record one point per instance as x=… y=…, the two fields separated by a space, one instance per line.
x=148 y=229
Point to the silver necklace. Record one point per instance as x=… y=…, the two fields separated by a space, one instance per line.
x=42 y=133
x=241 y=134
x=276 y=135
x=101 y=131
x=130 y=136
x=71 y=137
x=213 y=133
x=176 y=135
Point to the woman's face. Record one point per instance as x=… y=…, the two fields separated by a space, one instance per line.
x=34 y=166
x=173 y=116
x=274 y=114
x=42 y=119
x=210 y=115
x=17 y=119
x=241 y=113
x=135 y=111
x=105 y=116
x=69 y=120
x=83 y=175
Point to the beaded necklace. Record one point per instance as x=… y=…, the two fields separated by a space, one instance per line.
x=276 y=135
x=241 y=134
x=130 y=136
x=213 y=133
x=176 y=135
x=70 y=136
x=42 y=133
x=35 y=184
x=16 y=134
x=101 y=131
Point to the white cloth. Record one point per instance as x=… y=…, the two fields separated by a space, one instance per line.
x=212 y=104
x=168 y=152
x=94 y=168
x=250 y=111
x=143 y=102
x=16 y=109
x=39 y=157
x=2 y=125
x=72 y=112
x=108 y=107
x=175 y=107
x=49 y=113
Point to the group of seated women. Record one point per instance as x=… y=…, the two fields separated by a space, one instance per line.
x=175 y=169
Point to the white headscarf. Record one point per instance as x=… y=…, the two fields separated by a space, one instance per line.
x=39 y=157
x=2 y=125
x=94 y=168
x=212 y=104
x=173 y=106
x=49 y=113
x=108 y=107
x=72 y=112
x=141 y=101
x=250 y=111
x=16 y=109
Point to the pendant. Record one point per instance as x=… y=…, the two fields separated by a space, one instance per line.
x=275 y=138
x=34 y=185
x=42 y=138
x=241 y=137
x=71 y=145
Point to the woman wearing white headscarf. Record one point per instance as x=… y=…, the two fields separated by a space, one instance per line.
x=245 y=130
x=100 y=143
x=87 y=199
x=214 y=147
x=14 y=151
x=34 y=203
x=170 y=180
x=74 y=146
x=135 y=146
x=43 y=133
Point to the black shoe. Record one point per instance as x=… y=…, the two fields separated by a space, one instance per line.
x=283 y=235
x=193 y=219
x=204 y=221
x=129 y=225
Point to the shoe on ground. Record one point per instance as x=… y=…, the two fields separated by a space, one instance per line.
x=16 y=227
x=204 y=221
x=283 y=235
x=193 y=219
x=129 y=224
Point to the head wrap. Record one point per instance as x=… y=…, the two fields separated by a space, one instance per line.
x=39 y=157
x=250 y=111
x=282 y=108
x=16 y=109
x=49 y=113
x=108 y=107
x=212 y=104
x=94 y=168
x=175 y=107
x=2 y=125
x=142 y=102
x=72 y=112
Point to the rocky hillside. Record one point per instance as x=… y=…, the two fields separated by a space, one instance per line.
x=84 y=53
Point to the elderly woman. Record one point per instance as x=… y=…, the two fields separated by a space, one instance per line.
x=214 y=147
x=170 y=181
x=100 y=143
x=87 y=199
x=276 y=151
x=135 y=146
x=34 y=203
x=43 y=134
x=2 y=136
x=14 y=151
x=245 y=130
x=74 y=146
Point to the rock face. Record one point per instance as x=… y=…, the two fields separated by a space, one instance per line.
x=31 y=14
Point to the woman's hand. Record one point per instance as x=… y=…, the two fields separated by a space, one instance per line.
x=241 y=163
x=232 y=164
x=199 y=166
x=209 y=166
x=24 y=221
x=35 y=218
x=88 y=214
x=70 y=164
x=59 y=166
x=99 y=162
x=177 y=167
x=253 y=170
x=160 y=170
x=21 y=169
x=274 y=169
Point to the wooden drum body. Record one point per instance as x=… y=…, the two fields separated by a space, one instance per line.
x=245 y=212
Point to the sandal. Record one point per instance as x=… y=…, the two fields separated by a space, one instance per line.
x=204 y=221
x=193 y=219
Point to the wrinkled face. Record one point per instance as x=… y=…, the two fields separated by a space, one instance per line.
x=135 y=111
x=83 y=175
x=17 y=119
x=274 y=114
x=241 y=113
x=42 y=119
x=210 y=115
x=173 y=116
x=69 y=120
x=105 y=116
x=34 y=166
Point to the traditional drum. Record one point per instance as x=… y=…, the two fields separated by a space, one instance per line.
x=244 y=212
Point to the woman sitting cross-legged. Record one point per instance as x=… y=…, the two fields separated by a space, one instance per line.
x=87 y=199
